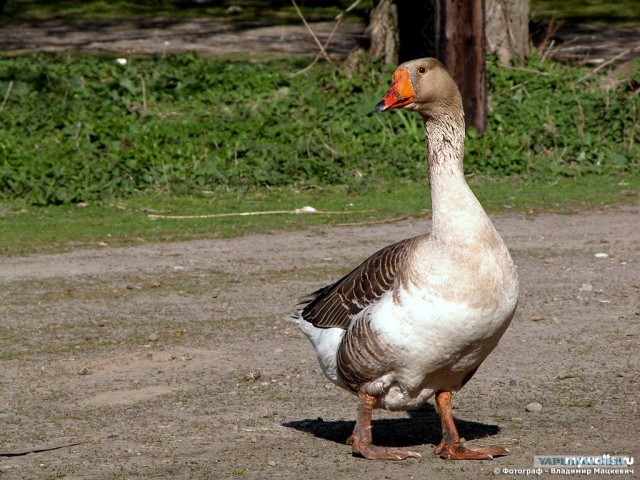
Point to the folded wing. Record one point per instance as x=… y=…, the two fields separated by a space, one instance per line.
x=336 y=305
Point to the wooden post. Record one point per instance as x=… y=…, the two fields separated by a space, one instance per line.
x=453 y=32
x=462 y=49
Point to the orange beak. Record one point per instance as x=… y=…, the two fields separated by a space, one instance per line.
x=400 y=94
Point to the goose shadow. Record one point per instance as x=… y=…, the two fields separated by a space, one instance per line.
x=422 y=427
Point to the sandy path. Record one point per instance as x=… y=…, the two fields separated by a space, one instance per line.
x=142 y=351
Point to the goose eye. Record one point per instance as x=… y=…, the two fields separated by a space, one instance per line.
x=422 y=70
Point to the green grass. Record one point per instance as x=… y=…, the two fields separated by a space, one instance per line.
x=27 y=229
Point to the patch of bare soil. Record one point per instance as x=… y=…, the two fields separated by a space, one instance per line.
x=594 y=43
x=160 y=36
x=590 y=43
x=176 y=360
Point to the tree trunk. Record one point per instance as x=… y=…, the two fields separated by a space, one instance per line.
x=383 y=32
x=507 y=29
x=460 y=42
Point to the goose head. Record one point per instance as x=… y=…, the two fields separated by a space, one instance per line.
x=424 y=86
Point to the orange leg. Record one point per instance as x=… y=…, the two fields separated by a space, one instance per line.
x=451 y=447
x=360 y=440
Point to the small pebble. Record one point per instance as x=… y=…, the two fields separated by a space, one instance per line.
x=154 y=337
x=601 y=255
x=271 y=463
x=234 y=9
x=534 y=407
x=251 y=376
x=586 y=287
x=85 y=371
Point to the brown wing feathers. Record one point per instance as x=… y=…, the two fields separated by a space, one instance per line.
x=336 y=304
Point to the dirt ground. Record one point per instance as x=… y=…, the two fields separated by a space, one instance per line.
x=158 y=36
x=590 y=43
x=176 y=360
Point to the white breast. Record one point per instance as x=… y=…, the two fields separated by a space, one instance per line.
x=437 y=341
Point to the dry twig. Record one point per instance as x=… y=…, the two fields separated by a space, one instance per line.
x=524 y=69
x=39 y=448
x=375 y=222
x=144 y=94
x=611 y=60
x=248 y=214
x=320 y=46
x=547 y=42
x=6 y=95
x=323 y=48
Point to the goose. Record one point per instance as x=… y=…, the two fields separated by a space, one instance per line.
x=417 y=318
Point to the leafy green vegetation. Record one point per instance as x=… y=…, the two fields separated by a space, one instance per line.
x=550 y=120
x=81 y=128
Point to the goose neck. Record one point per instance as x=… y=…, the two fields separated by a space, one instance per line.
x=456 y=213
